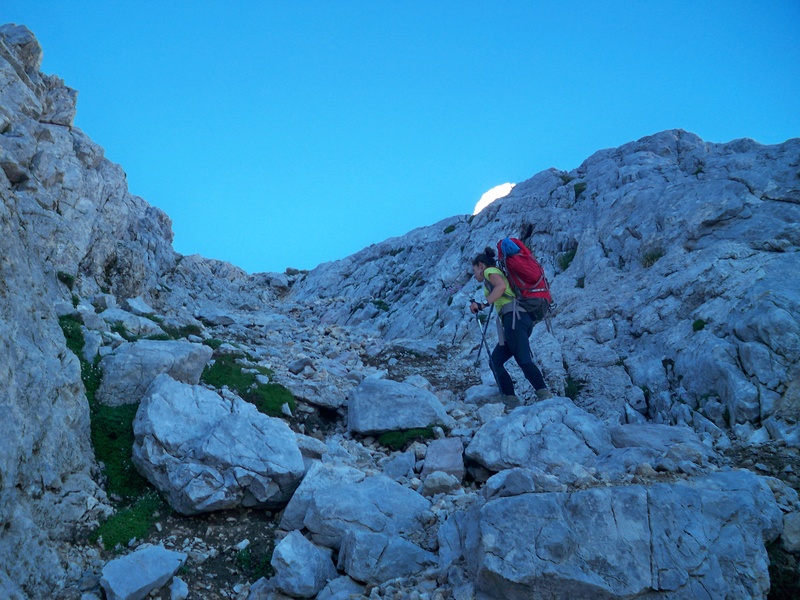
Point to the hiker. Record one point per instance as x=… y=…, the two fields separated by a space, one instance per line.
x=514 y=326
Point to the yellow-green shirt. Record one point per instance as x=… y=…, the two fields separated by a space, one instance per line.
x=507 y=296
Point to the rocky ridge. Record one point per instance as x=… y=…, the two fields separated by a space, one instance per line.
x=674 y=262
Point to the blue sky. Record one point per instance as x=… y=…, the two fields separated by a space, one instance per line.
x=287 y=134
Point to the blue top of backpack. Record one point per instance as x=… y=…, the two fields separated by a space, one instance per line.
x=509 y=247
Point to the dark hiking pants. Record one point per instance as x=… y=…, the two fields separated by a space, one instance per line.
x=516 y=345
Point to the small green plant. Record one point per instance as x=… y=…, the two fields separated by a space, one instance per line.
x=135 y=521
x=397 y=440
x=565 y=177
x=213 y=343
x=252 y=566
x=651 y=257
x=450 y=229
x=580 y=282
x=573 y=388
x=159 y=337
x=177 y=333
x=67 y=279
x=699 y=325
x=698 y=170
x=381 y=304
x=75 y=301
x=565 y=260
x=579 y=188
x=119 y=327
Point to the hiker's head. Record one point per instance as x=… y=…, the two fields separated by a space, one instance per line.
x=483 y=261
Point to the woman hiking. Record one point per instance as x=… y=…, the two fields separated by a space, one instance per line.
x=514 y=326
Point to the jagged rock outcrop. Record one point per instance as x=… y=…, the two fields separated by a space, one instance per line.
x=674 y=264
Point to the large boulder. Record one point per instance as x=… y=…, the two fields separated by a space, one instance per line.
x=381 y=405
x=208 y=453
x=302 y=569
x=377 y=557
x=376 y=504
x=554 y=435
x=128 y=372
x=320 y=475
x=699 y=538
x=445 y=455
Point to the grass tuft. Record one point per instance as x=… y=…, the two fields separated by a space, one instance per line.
x=573 y=388
x=381 y=304
x=565 y=260
x=67 y=279
x=398 y=440
x=651 y=257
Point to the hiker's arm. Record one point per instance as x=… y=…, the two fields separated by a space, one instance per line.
x=498 y=289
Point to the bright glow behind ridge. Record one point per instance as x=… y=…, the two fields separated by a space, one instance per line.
x=498 y=191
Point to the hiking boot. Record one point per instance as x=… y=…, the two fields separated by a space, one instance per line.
x=543 y=394
x=511 y=402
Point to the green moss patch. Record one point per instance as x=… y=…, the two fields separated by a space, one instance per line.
x=135 y=521
x=213 y=343
x=398 y=440
x=267 y=398
x=71 y=326
x=112 y=438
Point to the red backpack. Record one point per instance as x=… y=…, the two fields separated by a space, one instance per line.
x=525 y=275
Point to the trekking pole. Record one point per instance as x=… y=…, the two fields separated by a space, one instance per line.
x=483 y=343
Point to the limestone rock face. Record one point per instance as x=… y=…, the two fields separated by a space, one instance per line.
x=47 y=493
x=620 y=542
